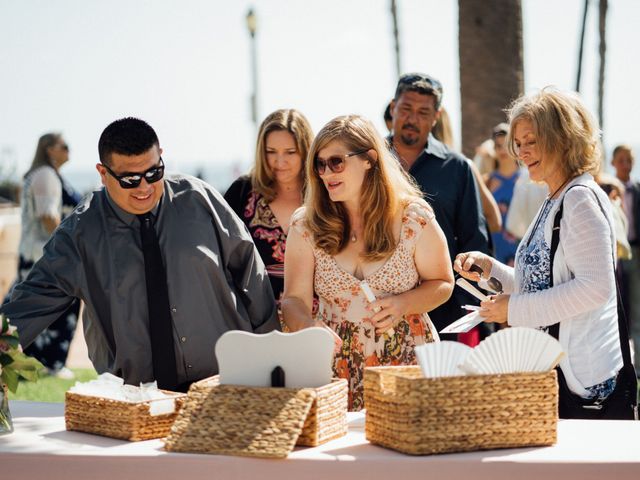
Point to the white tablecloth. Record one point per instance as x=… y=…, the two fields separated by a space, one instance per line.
x=41 y=448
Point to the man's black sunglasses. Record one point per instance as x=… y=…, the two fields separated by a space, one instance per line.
x=132 y=180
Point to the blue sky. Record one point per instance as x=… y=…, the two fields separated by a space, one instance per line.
x=75 y=65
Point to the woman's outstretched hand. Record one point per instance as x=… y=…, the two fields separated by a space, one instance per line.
x=464 y=264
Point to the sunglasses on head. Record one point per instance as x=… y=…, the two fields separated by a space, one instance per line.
x=335 y=163
x=132 y=180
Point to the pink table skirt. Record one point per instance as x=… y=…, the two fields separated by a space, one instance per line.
x=41 y=448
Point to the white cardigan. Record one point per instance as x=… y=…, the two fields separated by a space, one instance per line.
x=583 y=298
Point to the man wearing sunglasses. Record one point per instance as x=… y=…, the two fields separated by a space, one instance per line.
x=162 y=263
x=445 y=177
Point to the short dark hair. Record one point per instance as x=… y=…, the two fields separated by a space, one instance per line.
x=421 y=83
x=502 y=129
x=622 y=148
x=126 y=136
x=387 y=113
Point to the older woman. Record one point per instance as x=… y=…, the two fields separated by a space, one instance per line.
x=46 y=198
x=267 y=197
x=564 y=284
x=363 y=219
x=501 y=182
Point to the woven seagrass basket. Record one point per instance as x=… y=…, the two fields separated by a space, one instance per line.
x=421 y=416
x=257 y=421
x=114 y=418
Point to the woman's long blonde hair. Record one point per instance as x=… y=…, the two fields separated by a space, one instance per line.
x=563 y=125
x=296 y=124
x=386 y=189
x=41 y=156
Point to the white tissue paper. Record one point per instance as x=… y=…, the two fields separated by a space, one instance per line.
x=112 y=387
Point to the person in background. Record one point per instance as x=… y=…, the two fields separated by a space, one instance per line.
x=442 y=131
x=485 y=157
x=571 y=292
x=45 y=199
x=267 y=197
x=364 y=220
x=501 y=183
x=387 y=118
x=623 y=161
x=528 y=197
x=445 y=177
x=162 y=264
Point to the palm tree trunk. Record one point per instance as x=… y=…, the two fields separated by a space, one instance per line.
x=491 y=65
x=396 y=38
x=582 y=32
x=602 y=24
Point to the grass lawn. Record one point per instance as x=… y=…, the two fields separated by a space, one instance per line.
x=50 y=389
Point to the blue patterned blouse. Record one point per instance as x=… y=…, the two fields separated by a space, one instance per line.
x=534 y=256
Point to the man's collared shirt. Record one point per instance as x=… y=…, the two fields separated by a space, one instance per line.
x=215 y=278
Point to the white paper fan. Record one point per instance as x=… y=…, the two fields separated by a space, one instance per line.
x=514 y=350
x=442 y=359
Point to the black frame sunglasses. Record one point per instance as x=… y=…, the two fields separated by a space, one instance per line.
x=336 y=163
x=132 y=180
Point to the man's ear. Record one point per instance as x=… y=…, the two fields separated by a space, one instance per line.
x=103 y=173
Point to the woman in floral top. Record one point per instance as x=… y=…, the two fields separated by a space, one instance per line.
x=266 y=198
x=363 y=219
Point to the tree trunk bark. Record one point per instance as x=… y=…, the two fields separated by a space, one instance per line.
x=491 y=65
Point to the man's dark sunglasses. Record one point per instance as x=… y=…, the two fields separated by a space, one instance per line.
x=336 y=163
x=132 y=180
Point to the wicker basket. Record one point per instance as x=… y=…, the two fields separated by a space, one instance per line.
x=258 y=422
x=118 y=419
x=419 y=416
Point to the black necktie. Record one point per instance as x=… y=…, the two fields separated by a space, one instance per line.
x=160 y=323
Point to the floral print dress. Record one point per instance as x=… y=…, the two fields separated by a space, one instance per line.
x=267 y=234
x=343 y=306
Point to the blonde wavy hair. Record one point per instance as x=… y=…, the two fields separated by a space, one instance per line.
x=289 y=120
x=41 y=156
x=386 y=189
x=562 y=124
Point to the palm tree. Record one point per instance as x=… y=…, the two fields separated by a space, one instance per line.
x=396 y=36
x=602 y=24
x=491 y=65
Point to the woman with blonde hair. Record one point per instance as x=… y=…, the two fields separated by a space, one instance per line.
x=267 y=197
x=46 y=199
x=563 y=279
x=364 y=220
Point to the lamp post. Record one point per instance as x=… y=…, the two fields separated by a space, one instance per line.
x=252 y=27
